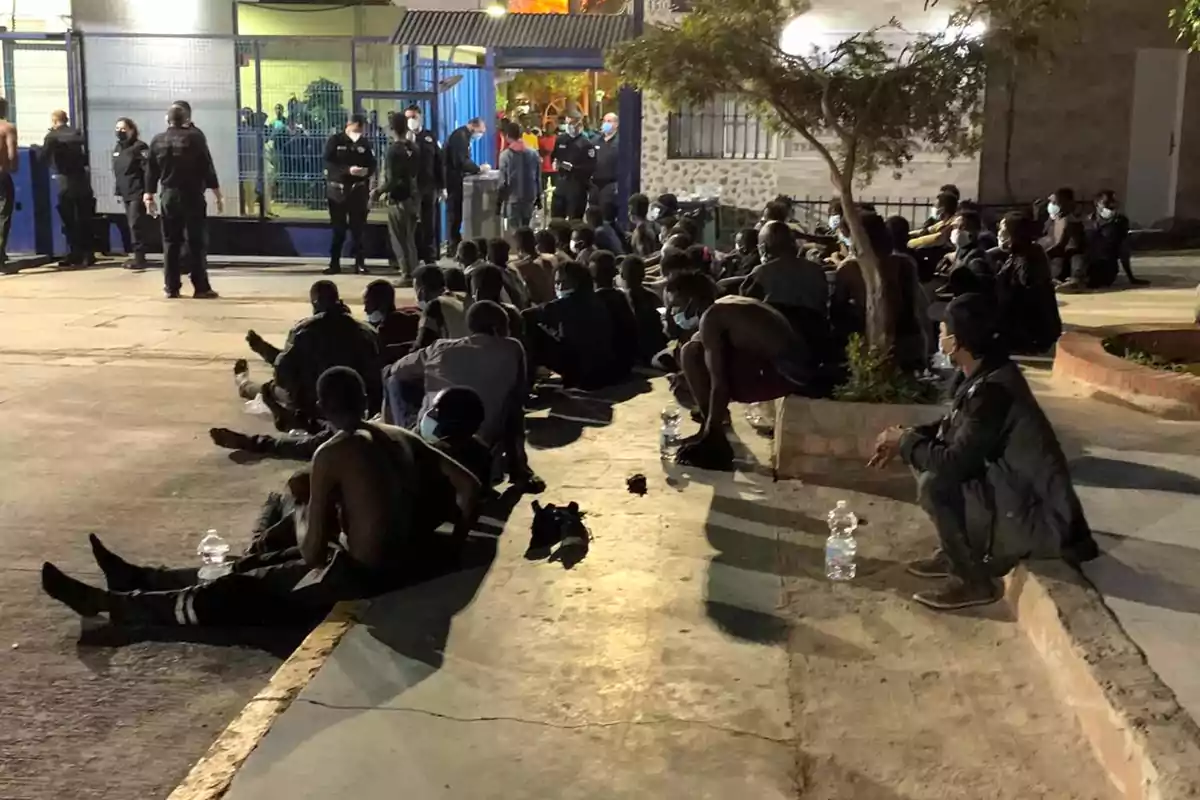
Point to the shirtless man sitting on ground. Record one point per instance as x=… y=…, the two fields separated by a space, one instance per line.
x=364 y=522
x=742 y=351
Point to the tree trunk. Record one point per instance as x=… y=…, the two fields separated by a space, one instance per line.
x=1010 y=127
x=880 y=325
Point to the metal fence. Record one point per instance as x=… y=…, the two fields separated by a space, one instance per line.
x=35 y=74
x=814 y=211
x=719 y=129
x=268 y=104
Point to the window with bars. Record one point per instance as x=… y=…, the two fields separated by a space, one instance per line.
x=723 y=128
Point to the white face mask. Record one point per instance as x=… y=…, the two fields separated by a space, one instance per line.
x=1054 y=209
x=354 y=135
x=1105 y=213
x=376 y=317
x=414 y=124
x=835 y=221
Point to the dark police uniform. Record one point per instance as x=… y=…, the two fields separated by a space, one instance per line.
x=181 y=162
x=458 y=166
x=604 y=181
x=431 y=179
x=129 y=173
x=66 y=150
x=576 y=158
x=349 y=195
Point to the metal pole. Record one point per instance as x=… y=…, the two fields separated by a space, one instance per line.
x=354 y=109
x=260 y=143
x=71 y=109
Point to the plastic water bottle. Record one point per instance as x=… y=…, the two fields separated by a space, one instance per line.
x=668 y=436
x=840 y=547
x=941 y=362
x=212 y=551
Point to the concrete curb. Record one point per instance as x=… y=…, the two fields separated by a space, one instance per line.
x=211 y=776
x=1146 y=742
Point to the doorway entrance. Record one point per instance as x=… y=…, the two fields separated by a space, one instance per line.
x=1160 y=79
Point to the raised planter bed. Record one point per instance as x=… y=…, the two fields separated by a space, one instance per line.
x=811 y=433
x=1081 y=357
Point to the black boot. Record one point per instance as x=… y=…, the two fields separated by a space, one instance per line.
x=119 y=574
x=334 y=268
x=230 y=440
x=84 y=600
x=361 y=269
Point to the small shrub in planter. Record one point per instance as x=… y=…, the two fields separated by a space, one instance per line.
x=874 y=378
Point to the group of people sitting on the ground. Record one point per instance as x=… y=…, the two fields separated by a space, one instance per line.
x=446 y=386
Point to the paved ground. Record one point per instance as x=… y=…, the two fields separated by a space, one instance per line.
x=696 y=652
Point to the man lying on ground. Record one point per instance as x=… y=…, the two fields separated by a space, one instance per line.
x=329 y=338
x=991 y=474
x=742 y=351
x=365 y=521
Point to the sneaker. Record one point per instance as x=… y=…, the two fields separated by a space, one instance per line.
x=361 y=269
x=205 y=294
x=936 y=566
x=956 y=594
x=171 y=295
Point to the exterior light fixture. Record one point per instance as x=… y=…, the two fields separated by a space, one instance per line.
x=496 y=8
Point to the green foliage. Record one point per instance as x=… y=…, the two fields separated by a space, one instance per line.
x=1185 y=20
x=1142 y=358
x=866 y=102
x=874 y=378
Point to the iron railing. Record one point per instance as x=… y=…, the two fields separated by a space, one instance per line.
x=719 y=129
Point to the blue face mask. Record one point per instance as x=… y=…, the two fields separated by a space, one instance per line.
x=422 y=304
x=607 y=128
x=685 y=322
x=428 y=428
x=835 y=220
x=1054 y=209
x=564 y=293
x=476 y=136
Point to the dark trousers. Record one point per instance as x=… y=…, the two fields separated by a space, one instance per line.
x=518 y=214
x=349 y=214
x=184 y=221
x=7 y=201
x=427 y=228
x=402 y=233
x=295 y=447
x=570 y=198
x=965 y=521
x=602 y=194
x=77 y=208
x=140 y=222
x=454 y=214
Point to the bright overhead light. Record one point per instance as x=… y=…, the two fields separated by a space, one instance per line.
x=496 y=8
x=802 y=35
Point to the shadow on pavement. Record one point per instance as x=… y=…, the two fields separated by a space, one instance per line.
x=1146 y=572
x=1109 y=473
x=571 y=411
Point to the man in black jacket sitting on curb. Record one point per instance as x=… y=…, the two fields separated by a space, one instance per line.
x=991 y=474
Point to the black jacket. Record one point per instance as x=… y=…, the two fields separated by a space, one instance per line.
x=342 y=153
x=431 y=172
x=65 y=149
x=458 y=158
x=129 y=169
x=998 y=434
x=1029 y=318
x=624 y=326
x=607 y=160
x=580 y=153
x=324 y=340
x=401 y=181
x=179 y=159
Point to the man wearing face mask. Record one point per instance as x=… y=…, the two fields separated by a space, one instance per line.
x=604 y=181
x=741 y=350
x=458 y=166
x=1065 y=243
x=65 y=149
x=969 y=268
x=489 y=363
x=395 y=327
x=328 y=338
x=991 y=474
x=575 y=160
x=573 y=335
x=349 y=165
x=129 y=184
x=583 y=243
x=1109 y=242
x=431 y=180
x=1029 y=320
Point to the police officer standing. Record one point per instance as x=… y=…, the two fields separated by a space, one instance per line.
x=349 y=165
x=129 y=181
x=431 y=180
x=181 y=163
x=575 y=160
x=458 y=166
x=66 y=151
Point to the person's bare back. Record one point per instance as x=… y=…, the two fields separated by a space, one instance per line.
x=8 y=148
x=748 y=326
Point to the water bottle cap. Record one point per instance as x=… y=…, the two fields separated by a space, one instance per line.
x=841 y=503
